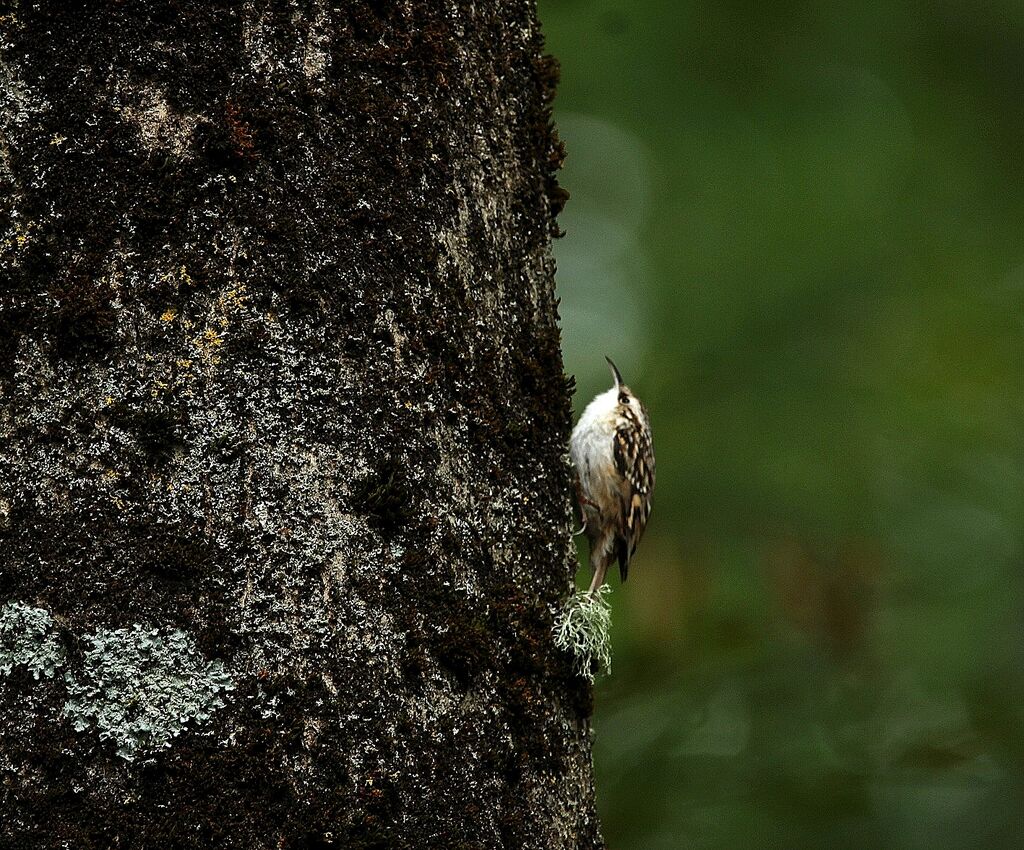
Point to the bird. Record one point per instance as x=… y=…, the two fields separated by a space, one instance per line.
x=612 y=452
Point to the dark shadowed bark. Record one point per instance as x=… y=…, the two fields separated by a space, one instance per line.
x=284 y=503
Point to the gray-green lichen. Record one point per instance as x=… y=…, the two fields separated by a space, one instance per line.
x=583 y=629
x=142 y=687
x=27 y=639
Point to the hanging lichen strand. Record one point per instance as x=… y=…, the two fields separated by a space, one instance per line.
x=284 y=505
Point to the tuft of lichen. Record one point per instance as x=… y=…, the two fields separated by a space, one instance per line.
x=583 y=629
x=27 y=639
x=142 y=687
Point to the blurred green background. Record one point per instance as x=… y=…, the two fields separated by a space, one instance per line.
x=798 y=229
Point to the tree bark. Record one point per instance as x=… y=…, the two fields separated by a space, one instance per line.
x=284 y=501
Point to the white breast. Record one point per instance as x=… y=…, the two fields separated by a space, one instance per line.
x=592 y=450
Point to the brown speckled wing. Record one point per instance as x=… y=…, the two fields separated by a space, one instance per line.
x=634 y=460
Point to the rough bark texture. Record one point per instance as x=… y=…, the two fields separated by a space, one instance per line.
x=283 y=496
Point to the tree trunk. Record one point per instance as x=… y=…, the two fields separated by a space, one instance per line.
x=284 y=503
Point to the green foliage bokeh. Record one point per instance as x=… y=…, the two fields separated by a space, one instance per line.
x=797 y=227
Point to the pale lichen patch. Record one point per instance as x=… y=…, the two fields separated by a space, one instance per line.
x=141 y=688
x=27 y=639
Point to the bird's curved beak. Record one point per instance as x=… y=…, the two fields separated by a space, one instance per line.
x=615 y=372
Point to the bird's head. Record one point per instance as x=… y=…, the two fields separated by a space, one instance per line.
x=624 y=393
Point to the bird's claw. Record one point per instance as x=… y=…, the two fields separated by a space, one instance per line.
x=584 y=503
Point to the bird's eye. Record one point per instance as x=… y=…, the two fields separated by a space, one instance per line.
x=623 y=398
